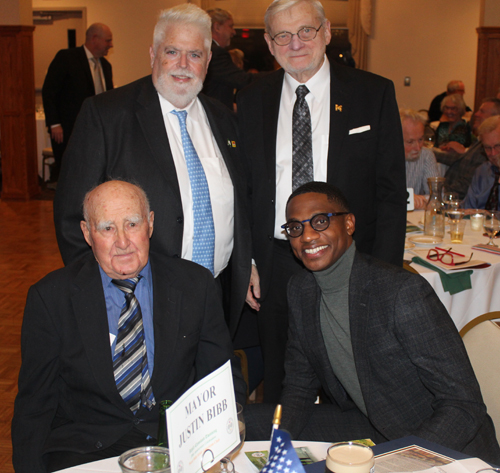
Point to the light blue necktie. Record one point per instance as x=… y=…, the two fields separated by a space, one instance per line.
x=204 y=232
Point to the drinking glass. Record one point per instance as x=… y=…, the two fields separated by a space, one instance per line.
x=491 y=225
x=145 y=460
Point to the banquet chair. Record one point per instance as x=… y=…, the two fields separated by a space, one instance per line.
x=481 y=338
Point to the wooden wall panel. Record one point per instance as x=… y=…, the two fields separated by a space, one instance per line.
x=488 y=64
x=17 y=113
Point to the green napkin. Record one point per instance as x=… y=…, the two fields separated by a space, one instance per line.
x=452 y=282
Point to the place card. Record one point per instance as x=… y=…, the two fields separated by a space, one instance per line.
x=202 y=424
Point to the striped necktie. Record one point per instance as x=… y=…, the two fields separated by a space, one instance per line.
x=130 y=359
x=204 y=232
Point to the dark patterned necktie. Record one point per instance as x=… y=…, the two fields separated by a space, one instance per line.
x=302 y=169
x=130 y=360
x=492 y=202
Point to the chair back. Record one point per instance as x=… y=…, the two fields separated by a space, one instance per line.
x=481 y=338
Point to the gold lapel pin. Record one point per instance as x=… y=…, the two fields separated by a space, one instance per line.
x=338 y=108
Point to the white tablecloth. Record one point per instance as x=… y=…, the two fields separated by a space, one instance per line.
x=485 y=293
x=241 y=462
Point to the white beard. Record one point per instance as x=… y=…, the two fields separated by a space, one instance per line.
x=178 y=95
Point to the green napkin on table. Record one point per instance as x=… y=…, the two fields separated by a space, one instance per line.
x=452 y=282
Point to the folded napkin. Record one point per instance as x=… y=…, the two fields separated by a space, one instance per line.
x=488 y=248
x=452 y=282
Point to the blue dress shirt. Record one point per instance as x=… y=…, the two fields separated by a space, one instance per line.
x=115 y=299
x=480 y=187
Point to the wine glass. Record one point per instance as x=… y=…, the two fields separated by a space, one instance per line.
x=491 y=225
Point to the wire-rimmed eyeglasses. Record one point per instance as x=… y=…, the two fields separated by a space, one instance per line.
x=445 y=256
x=319 y=222
x=306 y=33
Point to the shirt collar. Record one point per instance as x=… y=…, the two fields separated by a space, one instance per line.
x=90 y=56
x=193 y=109
x=145 y=273
x=317 y=84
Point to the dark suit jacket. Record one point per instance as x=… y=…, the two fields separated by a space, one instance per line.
x=223 y=76
x=121 y=134
x=413 y=370
x=368 y=167
x=67 y=84
x=67 y=397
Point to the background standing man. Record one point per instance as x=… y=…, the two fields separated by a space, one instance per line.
x=73 y=75
x=223 y=76
x=181 y=147
x=346 y=131
x=74 y=405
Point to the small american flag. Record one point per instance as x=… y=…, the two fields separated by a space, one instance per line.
x=282 y=456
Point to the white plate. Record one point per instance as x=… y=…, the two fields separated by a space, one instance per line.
x=425 y=240
x=409 y=245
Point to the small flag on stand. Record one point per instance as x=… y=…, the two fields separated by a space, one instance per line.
x=282 y=456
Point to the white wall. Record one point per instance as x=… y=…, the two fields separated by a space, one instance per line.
x=132 y=24
x=432 y=41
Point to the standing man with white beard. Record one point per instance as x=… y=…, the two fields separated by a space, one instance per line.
x=157 y=131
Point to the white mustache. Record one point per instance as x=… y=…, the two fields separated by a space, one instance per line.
x=182 y=73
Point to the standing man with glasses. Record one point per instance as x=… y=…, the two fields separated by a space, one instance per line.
x=180 y=146
x=315 y=120
x=375 y=339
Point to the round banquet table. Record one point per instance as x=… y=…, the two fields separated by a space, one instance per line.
x=485 y=293
x=241 y=462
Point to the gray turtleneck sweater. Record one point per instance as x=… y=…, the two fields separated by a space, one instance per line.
x=334 y=318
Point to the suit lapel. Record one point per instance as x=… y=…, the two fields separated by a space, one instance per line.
x=152 y=125
x=216 y=119
x=339 y=118
x=310 y=298
x=167 y=305
x=359 y=298
x=270 y=107
x=89 y=307
x=86 y=68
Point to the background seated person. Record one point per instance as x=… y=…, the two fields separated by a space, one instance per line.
x=375 y=338
x=420 y=161
x=453 y=87
x=483 y=192
x=455 y=128
x=462 y=162
x=74 y=404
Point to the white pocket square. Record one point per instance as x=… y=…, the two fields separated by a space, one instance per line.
x=361 y=129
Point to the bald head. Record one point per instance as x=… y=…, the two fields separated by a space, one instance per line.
x=98 y=39
x=118 y=225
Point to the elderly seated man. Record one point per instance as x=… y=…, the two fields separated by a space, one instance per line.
x=375 y=339
x=484 y=192
x=420 y=162
x=462 y=162
x=88 y=389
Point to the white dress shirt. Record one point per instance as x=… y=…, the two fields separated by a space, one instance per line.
x=218 y=179
x=318 y=100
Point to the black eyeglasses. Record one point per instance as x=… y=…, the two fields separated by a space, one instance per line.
x=307 y=33
x=319 y=222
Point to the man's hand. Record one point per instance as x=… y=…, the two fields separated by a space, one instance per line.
x=253 y=292
x=420 y=201
x=455 y=146
x=57 y=133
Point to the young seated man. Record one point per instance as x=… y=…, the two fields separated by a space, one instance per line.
x=375 y=338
